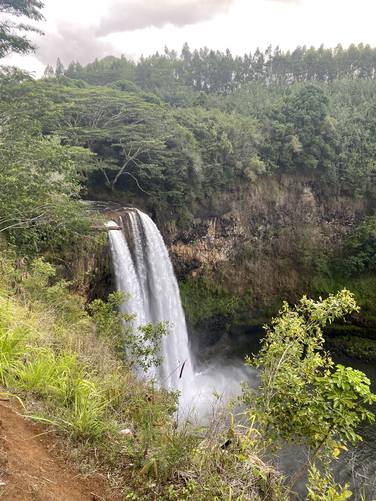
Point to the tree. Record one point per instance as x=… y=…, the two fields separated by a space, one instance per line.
x=303 y=397
x=303 y=135
x=11 y=37
x=359 y=248
x=39 y=202
x=60 y=70
x=49 y=72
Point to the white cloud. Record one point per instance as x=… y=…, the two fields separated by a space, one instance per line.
x=72 y=43
x=137 y=14
x=287 y=1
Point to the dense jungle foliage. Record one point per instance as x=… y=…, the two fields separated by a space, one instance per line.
x=174 y=133
x=168 y=123
x=309 y=112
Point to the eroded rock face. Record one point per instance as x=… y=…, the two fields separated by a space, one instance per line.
x=265 y=242
x=269 y=238
x=222 y=236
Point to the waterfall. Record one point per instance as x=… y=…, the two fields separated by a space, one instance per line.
x=125 y=275
x=143 y=270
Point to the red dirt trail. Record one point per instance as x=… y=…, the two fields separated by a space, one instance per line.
x=31 y=469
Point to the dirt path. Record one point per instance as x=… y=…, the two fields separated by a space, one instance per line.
x=30 y=469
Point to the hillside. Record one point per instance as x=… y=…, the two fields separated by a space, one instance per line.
x=262 y=184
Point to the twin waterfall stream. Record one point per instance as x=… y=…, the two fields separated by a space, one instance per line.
x=143 y=270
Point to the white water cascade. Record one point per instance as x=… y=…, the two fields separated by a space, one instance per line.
x=143 y=270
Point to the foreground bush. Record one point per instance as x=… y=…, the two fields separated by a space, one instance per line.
x=303 y=397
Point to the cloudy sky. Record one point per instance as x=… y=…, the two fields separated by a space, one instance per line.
x=85 y=29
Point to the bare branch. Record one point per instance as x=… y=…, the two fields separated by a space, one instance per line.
x=126 y=163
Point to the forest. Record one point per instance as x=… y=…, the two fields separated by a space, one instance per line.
x=147 y=127
x=259 y=171
x=143 y=134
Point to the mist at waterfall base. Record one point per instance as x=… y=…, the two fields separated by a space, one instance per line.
x=143 y=270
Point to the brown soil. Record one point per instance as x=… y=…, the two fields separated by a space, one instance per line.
x=32 y=469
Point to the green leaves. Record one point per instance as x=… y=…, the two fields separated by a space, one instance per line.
x=303 y=134
x=140 y=346
x=11 y=39
x=360 y=253
x=321 y=487
x=302 y=397
x=40 y=179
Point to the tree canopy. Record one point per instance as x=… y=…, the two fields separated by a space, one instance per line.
x=204 y=70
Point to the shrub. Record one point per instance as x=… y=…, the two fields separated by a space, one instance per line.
x=303 y=397
x=360 y=254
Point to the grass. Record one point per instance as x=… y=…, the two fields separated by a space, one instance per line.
x=69 y=376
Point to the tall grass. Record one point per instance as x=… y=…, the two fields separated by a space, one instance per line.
x=70 y=377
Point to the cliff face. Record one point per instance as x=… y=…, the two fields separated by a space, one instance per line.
x=267 y=241
x=252 y=247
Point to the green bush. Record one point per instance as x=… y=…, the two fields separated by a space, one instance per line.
x=303 y=398
x=360 y=248
x=140 y=345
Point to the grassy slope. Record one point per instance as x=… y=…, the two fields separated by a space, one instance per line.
x=71 y=378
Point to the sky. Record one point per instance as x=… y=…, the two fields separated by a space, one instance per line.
x=85 y=29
